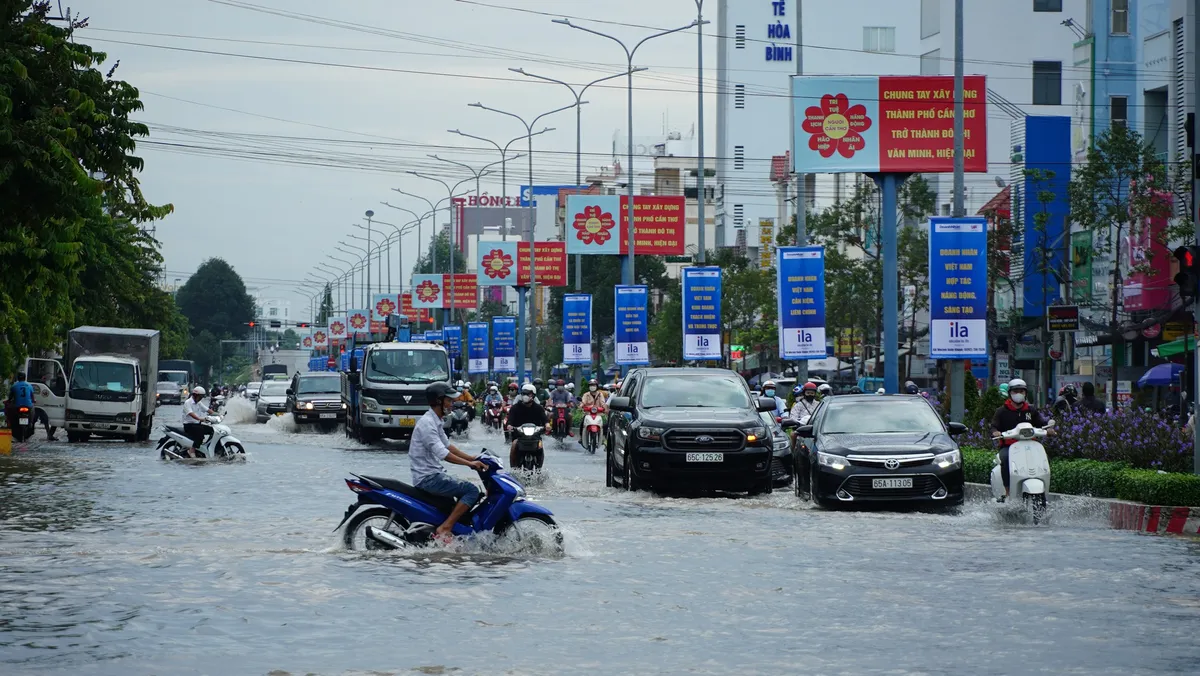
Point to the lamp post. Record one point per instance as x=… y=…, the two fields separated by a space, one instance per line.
x=701 y=218
x=337 y=276
x=503 y=170
x=522 y=327
x=399 y=236
x=419 y=219
x=359 y=265
x=369 y=214
x=346 y=298
x=578 y=140
x=627 y=272
x=447 y=315
x=433 y=209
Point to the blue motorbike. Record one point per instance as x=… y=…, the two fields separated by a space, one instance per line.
x=396 y=515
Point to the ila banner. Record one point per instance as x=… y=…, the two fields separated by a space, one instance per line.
x=702 y=314
x=453 y=336
x=477 y=347
x=801 y=297
x=957 y=288
x=632 y=326
x=504 y=344
x=577 y=328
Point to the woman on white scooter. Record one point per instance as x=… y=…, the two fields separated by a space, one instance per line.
x=1013 y=412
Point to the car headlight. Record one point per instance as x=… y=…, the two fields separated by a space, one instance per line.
x=344 y=406
x=126 y=417
x=754 y=434
x=835 y=462
x=651 y=433
x=948 y=459
x=782 y=444
x=308 y=406
x=370 y=405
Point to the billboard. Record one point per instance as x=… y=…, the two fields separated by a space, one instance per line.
x=766 y=243
x=359 y=322
x=702 y=314
x=800 y=293
x=337 y=328
x=1047 y=149
x=413 y=314
x=477 y=347
x=631 y=332
x=1149 y=284
x=896 y=124
x=551 y=261
x=1081 y=266
x=958 y=289
x=546 y=190
x=577 y=328
x=445 y=291
x=599 y=224
x=383 y=305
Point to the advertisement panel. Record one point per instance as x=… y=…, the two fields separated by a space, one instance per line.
x=320 y=338
x=1081 y=266
x=546 y=190
x=433 y=335
x=702 y=314
x=898 y=124
x=551 y=263
x=958 y=288
x=591 y=221
x=337 y=328
x=306 y=341
x=800 y=289
x=383 y=305
x=632 y=327
x=766 y=243
x=504 y=344
x=462 y=291
x=427 y=291
x=577 y=328
x=497 y=264
x=599 y=224
x=453 y=337
x=477 y=347
x=358 y=323
x=413 y=314
x=1148 y=286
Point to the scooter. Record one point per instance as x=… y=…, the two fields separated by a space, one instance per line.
x=493 y=417
x=562 y=422
x=593 y=424
x=395 y=515
x=221 y=445
x=21 y=421
x=459 y=419
x=1028 y=469
x=530 y=453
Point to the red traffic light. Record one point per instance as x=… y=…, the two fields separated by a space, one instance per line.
x=1188 y=278
x=251 y=324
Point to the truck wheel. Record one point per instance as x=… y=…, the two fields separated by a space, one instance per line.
x=143 y=433
x=77 y=437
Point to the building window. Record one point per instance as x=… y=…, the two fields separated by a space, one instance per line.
x=274 y=312
x=1047 y=5
x=739 y=37
x=1047 y=83
x=739 y=214
x=739 y=157
x=1118 y=111
x=879 y=39
x=931 y=62
x=1120 y=17
x=931 y=18
x=739 y=96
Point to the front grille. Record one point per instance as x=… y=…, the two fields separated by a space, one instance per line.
x=389 y=398
x=723 y=441
x=93 y=417
x=878 y=462
x=326 y=405
x=778 y=469
x=860 y=486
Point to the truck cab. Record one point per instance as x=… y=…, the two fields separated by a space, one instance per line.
x=105 y=398
x=385 y=391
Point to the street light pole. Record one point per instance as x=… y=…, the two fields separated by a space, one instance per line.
x=628 y=272
x=419 y=220
x=503 y=171
x=448 y=314
x=369 y=215
x=700 y=197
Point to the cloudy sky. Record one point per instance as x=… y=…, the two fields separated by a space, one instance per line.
x=277 y=123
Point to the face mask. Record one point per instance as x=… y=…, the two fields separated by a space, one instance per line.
x=525 y=398
x=592 y=388
x=810 y=395
x=769 y=393
x=1018 y=397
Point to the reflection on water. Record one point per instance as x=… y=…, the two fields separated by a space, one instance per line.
x=118 y=563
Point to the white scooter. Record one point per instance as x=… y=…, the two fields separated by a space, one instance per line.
x=1028 y=469
x=220 y=446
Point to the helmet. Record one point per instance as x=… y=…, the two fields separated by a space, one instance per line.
x=911 y=388
x=512 y=386
x=1017 y=384
x=538 y=382
x=560 y=382
x=570 y=386
x=593 y=381
x=438 y=391
x=528 y=389
x=809 y=387
x=1003 y=389
x=856 y=390
x=769 y=383
x=493 y=389
x=1069 y=391
x=199 y=390
x=460 y=384
x=797 y=390
x=825 y=388
x=881 y=391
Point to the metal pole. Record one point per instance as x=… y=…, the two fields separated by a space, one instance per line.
x=578 y=182
x=628 y=275
x=367 y=295
x=891 y=366
x=532 y=268
x=700 y=217
x=1196 y=220
x=801 y=206
x=957 y=379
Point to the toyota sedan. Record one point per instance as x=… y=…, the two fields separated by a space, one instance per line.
x=870 y=449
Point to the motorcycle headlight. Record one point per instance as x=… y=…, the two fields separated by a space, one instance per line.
x=529 y=432
x=948 y=459
x=370 y=405
x=651 y=433
x=834 y=462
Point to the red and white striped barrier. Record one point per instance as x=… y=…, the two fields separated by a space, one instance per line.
x=1157 y=520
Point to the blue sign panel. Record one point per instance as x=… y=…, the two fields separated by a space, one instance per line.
x=577 y=328
x=433 y=335
x=544 y=190
x=632 y=328
x=957 y=288
x=801 y=302
x=453 y=336
x=702 y=314
x=1047 y=149
x=477 y=347
x=504 y=344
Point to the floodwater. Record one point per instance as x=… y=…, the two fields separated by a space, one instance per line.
x=115 y=562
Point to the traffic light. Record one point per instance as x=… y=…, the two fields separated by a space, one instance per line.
x=1188 y=278
x=250 y=324
x=303 y=325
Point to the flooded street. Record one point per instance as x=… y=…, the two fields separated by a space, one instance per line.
x=118 y=563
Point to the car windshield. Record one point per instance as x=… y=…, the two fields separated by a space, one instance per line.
x=768 y=418
x=178 y=377
x=102 y=381
x=167 y=386
x=407 y=366
x=318 y=385
x=881 y=416
x=276 y=389
x=694 y=391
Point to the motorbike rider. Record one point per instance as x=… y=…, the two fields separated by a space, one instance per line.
x=465 y=390
x=911 y=388
x=512 y=394
x=1013 y=412
x=806 y=404
x=1089 y=402
x=561 y=398
x=1065 y=403
x=20 y=394
x=525 y=410
x=543 y=394
x=194 y=425
x=493 y=397
x=825 y=390
x=769 y=392
x=427 y=449
x=594 y=397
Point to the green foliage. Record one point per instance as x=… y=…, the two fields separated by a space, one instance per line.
x=487 y=310
x=441 y=248
x=326 y=310
x=985 y=407
x=666 y=330
x=205 y=350
x=1085 y=477
x=1155 y=488
x=215 y=300
x=290 y=340
x=977 y=464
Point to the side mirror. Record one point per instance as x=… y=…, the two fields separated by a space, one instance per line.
x=620 y=404
x=956 y=428
x=353 y=364
x=354 y=377
x=789 y=423
x=145 y=388
x=805 y=431
x=289 y=392
x=766 y=405
x=1049 y=424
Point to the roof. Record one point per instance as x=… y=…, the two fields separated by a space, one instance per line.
x=686 y=370
x=107 y=358
x=405 y=346
x=143 y=333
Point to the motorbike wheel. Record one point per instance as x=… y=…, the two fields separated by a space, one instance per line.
x=232 y=451
x=354 y=535
x=1037 y=507
x=535 y=533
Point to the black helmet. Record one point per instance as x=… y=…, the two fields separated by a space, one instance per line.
x=1069 y=391
x=856 y=390
x=538 y=383
x=911 y=388
x=438 y=391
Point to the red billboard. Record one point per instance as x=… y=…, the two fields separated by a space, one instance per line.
x=659 y=224
x=462 y=291
x=1149 y=284
x=551 y=264
x=412 y=313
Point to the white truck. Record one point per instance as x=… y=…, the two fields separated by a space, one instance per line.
x=110 y=392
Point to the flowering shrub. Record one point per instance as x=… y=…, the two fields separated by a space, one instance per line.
x=1135 y=437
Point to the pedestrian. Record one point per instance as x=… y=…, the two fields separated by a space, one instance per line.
x=1088 y=402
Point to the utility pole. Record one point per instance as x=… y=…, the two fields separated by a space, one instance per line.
x=801 y=184
x=957 y=369
x=700 y=211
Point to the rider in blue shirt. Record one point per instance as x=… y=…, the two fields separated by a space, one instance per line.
x=21 y=392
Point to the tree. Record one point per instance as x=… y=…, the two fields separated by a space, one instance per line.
x=290 y=340
x=666 y=330
x=913 y=262
x=215 y=300
x=326 y=309
x=441 y=246
x=205 y=350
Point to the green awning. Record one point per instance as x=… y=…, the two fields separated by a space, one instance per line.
x=1185 y=344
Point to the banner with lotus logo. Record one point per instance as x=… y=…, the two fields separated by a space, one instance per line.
x=599 y=224
x=497 y=264
x=320 y=339
x=427 y=291
x=592 y=224
x=306 y=341
x=383 y=305
x=358 y=322
x=337 y=328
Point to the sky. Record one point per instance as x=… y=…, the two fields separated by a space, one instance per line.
x=270 y=162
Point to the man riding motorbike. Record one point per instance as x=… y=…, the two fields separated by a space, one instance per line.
x=780 y=404
x=561 y=398
x=806 y=404
x=526 y=410
x=543 y=394
x=21 y=395
x=1065 y=403
x=427 y=449
x=493 y=397
x=194 y=425
x=1013 y=412
x=593 y=397
x=464 y=389
x=512 y=394
x=825 y=390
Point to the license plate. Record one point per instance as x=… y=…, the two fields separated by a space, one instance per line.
x=328 y=416
x=891 y=483
x=23 y=421
x=406 y=422
x=706 y=457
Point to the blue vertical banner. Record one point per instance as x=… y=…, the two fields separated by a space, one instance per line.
x=800 y=287
x=957 y=288
x=577 y=328
x=632 y=326
x=504 y=344
x=453 y=335
x=702 y=314
x=477 y=347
